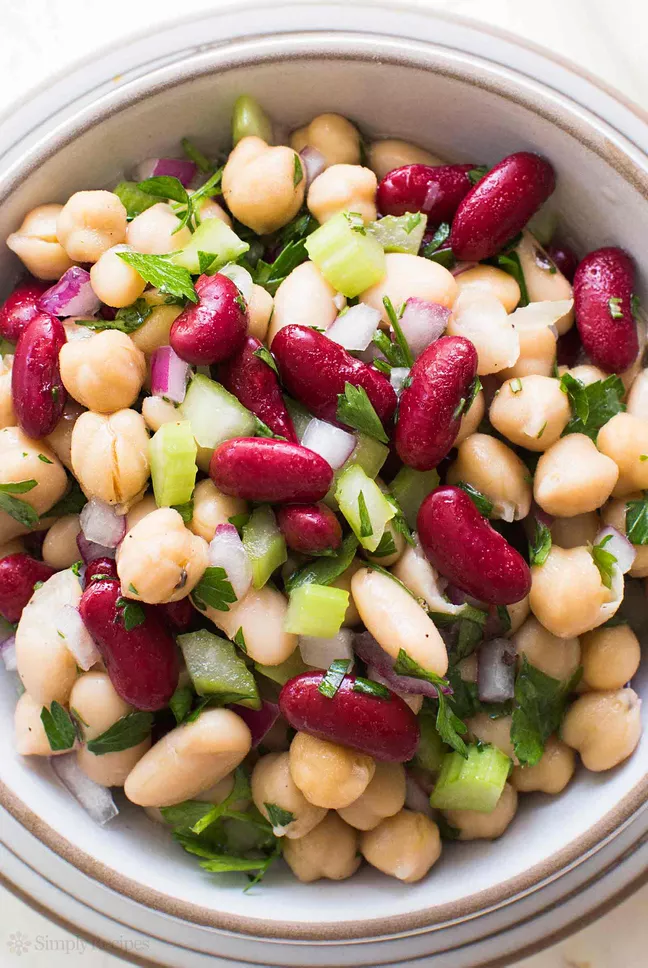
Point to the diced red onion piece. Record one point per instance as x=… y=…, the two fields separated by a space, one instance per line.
x=398 y=376
x=258 y=721
x=619 y=546
x=459 y=597
x=422 y=323
x=355 y=328
x=8 y=652
x=462 y=267
x=319 y=653
x=371 y=653
x=101 y=524
x=415 y=796
x=331 y=443
x=314 y=163
x=89 y=550
x=168 y=374
x=96 y=800
x=179 y=168
x=540 y=515
x=496 y=663
x=77 y=638
x=72 y=295
x=226 y=551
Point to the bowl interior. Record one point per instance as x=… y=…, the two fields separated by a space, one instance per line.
x=463 y=110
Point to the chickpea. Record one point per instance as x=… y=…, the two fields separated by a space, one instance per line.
x=397 y=621
x=212 y=508
x=104 y=373
x=37 y=246
x=494 y=281
x=60 y=548
x=577 y=531
x=624 y=439
x=495 y=731
x=469 y=668
x=90 y=223
x=13 y=547
x=333 y=136
x=260 y=309
x=20 y=461
x=305 y=298
x=638 y=397
x=262 y=185
x=471 y=419
x=551 y=773
x=611 y=657
x=543 y=284
x=473 y=825
x=157 y=411
x=190 y=759
x=155 y=330
x=384 y=797
x=495 y=470
x=160 y=560
x=537 y=347
x=30 y=737
x=405 y=846
x=140 y=510
x=587 y=373
x=329 y=775
x=115 y=282
x=614 y=514
x=153 y=232
x=343 y=188
x=60 y=440
x=46 y=666
x=209 y=208
x=552 y=597
x=572 y=477
x=261 y=615
x=7 y=415
x=604 y=727
x=481 y=318
x=330 y=850
x=556 y=657
x=410 y=275
x=392 y=153
x=531 y=411
x=518 y=614
x=352 y=615
x=110 y=455
x=272 y=784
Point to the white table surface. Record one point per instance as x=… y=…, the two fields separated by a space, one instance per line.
x=605 y=36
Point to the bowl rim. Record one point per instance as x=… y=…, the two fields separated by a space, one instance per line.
x=348 y=45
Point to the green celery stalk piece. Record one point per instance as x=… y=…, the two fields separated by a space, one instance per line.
x=369 y=454
x=400 y=233
x=431 y=749
x=217 y=670
x=475 y=783
x=410 y=488
x=172 y=452
x=249 y=118
x=350 y=260
x=352 y=483
x=214 y=238
x=293 y=666
x=317 y=610
x=215 y=414
x=134 y=200
x=264 y=543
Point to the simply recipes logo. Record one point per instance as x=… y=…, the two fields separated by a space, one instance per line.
x=21 y=945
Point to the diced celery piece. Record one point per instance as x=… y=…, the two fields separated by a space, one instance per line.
x=400 y=233
x=369 y=454
x=212 y=237
x=475 y=783
x=6 y=347
x=364 y=506
x=299 y=415
x=216 y=669
x=348 y=258
x=172 y=452
x=410 y=488
x=215 y=414
x=134 y=200
x=543 y=224
x=293 y=666
x=264 y=543
x=249 y=118
x=316 y=610
x=431 y=748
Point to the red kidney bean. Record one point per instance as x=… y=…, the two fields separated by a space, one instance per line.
x=569 y=348
x=261 y=469
x=383 y=728
x=142 y=663
x=430 y=408
x=603 y=287
x=213 y=329
x=255 y=384
x=20 y=308
x=179 y=615
x=563 y=258
x=36 y=387
x=18 y=575
x=500 y=205
x=463 y=547
x=100 y=567
x=314 y=370
x=437 y=191
x=309 y=528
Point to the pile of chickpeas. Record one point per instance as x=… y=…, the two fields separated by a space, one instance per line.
x=346 y=805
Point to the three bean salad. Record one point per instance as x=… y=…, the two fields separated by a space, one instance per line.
x=323 y=498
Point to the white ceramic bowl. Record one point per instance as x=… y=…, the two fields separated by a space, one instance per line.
x=422 y=79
